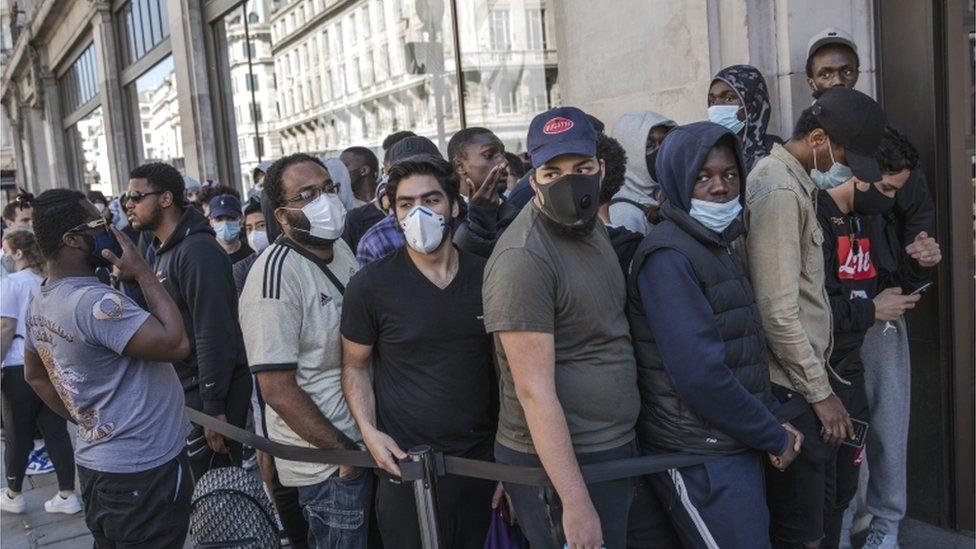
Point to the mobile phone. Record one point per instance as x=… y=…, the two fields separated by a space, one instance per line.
x=857 y=438
x=922 y=289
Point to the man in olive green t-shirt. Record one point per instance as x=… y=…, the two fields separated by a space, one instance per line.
x=554 y=300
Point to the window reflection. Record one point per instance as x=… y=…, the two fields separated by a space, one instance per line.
x=156 y=113
x=86 y=141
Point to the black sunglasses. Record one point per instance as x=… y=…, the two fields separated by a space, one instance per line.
x=99 y=223
x=136 y=196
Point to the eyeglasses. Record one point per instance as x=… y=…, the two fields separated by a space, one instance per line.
x=94 y=224
x=309 y=195
x=136 y=196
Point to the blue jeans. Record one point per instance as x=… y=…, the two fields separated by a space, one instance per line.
x=337 y=510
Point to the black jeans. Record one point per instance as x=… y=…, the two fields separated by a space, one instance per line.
x=539 y=511
x=807 y=501
x=237 y=408
x=148 y=509
x=463 y=511
x=24 y=412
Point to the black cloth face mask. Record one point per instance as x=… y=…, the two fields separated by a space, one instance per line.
x=872 y=201
x=572 y=199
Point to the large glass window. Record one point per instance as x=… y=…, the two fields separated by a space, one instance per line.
x=79 y=84
x=145 y=24
x=155 y=111
x=86 y=149
x=327 y=78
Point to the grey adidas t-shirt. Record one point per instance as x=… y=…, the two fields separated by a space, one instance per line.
x=130 y=412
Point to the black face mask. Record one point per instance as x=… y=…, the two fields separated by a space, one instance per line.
x=100 y=242
x=872 y=201
x=651 y=159
x=571 y=200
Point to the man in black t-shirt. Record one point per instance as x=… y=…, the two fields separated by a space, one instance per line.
x=416 y=317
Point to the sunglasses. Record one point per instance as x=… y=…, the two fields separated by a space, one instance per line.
x=94 y=224
x=136 y=196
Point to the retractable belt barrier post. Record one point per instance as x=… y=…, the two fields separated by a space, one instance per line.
x=424 y=465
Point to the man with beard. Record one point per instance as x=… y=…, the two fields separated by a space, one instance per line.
x=568 y=376
x=196 y=272
x=290 y=314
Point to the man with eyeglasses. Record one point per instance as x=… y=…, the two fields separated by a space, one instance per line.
x=95 y=357
x=197 y=273
x=290 y=315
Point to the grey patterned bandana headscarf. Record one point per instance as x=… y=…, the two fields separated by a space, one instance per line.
x=749 y=85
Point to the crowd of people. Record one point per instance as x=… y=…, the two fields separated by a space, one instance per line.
x=638 y=289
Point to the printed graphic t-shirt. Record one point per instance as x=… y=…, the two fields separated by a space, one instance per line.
x=130 y=412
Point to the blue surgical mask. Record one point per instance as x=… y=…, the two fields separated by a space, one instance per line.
x=837 y=174
x=228 y=231
x=728 y=116
x=717 y=216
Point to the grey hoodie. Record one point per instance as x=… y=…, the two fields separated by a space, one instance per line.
x=631 y=131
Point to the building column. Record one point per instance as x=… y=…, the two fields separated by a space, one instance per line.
x=57 y=154
x=113 y=104
x=186 y=23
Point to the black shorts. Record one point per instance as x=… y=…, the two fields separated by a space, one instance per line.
x=806 y=501
x=145 y=509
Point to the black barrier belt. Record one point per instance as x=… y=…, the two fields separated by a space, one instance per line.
x=531 y=476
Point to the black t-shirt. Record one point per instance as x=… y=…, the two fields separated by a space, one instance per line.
x=358 y=221
x=242 y=253
x=432 y=370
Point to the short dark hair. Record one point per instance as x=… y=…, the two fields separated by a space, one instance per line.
x=56 y=212
x=273 y=179
x=896 y=152
x=614 y=159
x=806 y=124
x=253 y=205
x=394 y=137
x=366 y=156
x=423 y=164
x=857 y=60
x=515 y=165
x=208 y=192
x=455 y=147
x=162 y=177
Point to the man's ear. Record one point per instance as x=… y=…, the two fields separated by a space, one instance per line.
x=167 y=199
x=281 y=217
x=816 y=138
x=603 y=169
x=812 y=83
x=455 y=208
x=71 y=240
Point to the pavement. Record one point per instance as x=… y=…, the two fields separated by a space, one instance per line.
x=38 y=528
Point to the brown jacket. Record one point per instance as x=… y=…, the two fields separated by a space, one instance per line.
x=786 y=266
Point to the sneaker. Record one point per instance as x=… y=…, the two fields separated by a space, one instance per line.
x=880 y=540
x=69 y=505
x=40 y=466
x=12 y=504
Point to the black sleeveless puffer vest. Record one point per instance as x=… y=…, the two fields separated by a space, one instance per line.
x=665 y=422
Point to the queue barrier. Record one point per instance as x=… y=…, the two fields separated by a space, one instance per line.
x=423 y=465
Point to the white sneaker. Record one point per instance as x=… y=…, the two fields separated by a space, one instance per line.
x=12 y=505
x=880 y=540
x=58 y=504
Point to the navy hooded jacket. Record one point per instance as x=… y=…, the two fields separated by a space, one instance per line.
x=693 y=315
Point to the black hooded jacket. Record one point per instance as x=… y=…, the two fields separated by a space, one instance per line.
x=196 y=272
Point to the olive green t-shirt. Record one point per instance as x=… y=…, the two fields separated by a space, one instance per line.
x=540 y=279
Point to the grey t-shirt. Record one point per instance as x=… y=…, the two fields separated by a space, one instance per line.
x=130 y=412
x=540 y=279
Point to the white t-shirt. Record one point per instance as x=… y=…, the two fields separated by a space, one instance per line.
x=16 y=291
x=290 y=313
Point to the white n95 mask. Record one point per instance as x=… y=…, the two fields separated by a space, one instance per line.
x=423 y=229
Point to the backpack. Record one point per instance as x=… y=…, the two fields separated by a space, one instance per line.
x=230 y=508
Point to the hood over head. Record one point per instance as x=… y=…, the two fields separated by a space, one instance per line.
x=682 y=155
x=631 y=131
x=749 y=85
x=191 y=222
x=340 y=174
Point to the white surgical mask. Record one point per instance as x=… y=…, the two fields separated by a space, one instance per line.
x=326 y=216
x=423 y=229
x=717 y=216
x=258 y=240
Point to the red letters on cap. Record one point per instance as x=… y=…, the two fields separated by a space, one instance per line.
x=557 y=125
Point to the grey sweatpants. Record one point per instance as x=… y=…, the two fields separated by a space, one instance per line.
x=887 y=379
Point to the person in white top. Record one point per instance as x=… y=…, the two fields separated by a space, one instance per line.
x=23 y=412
